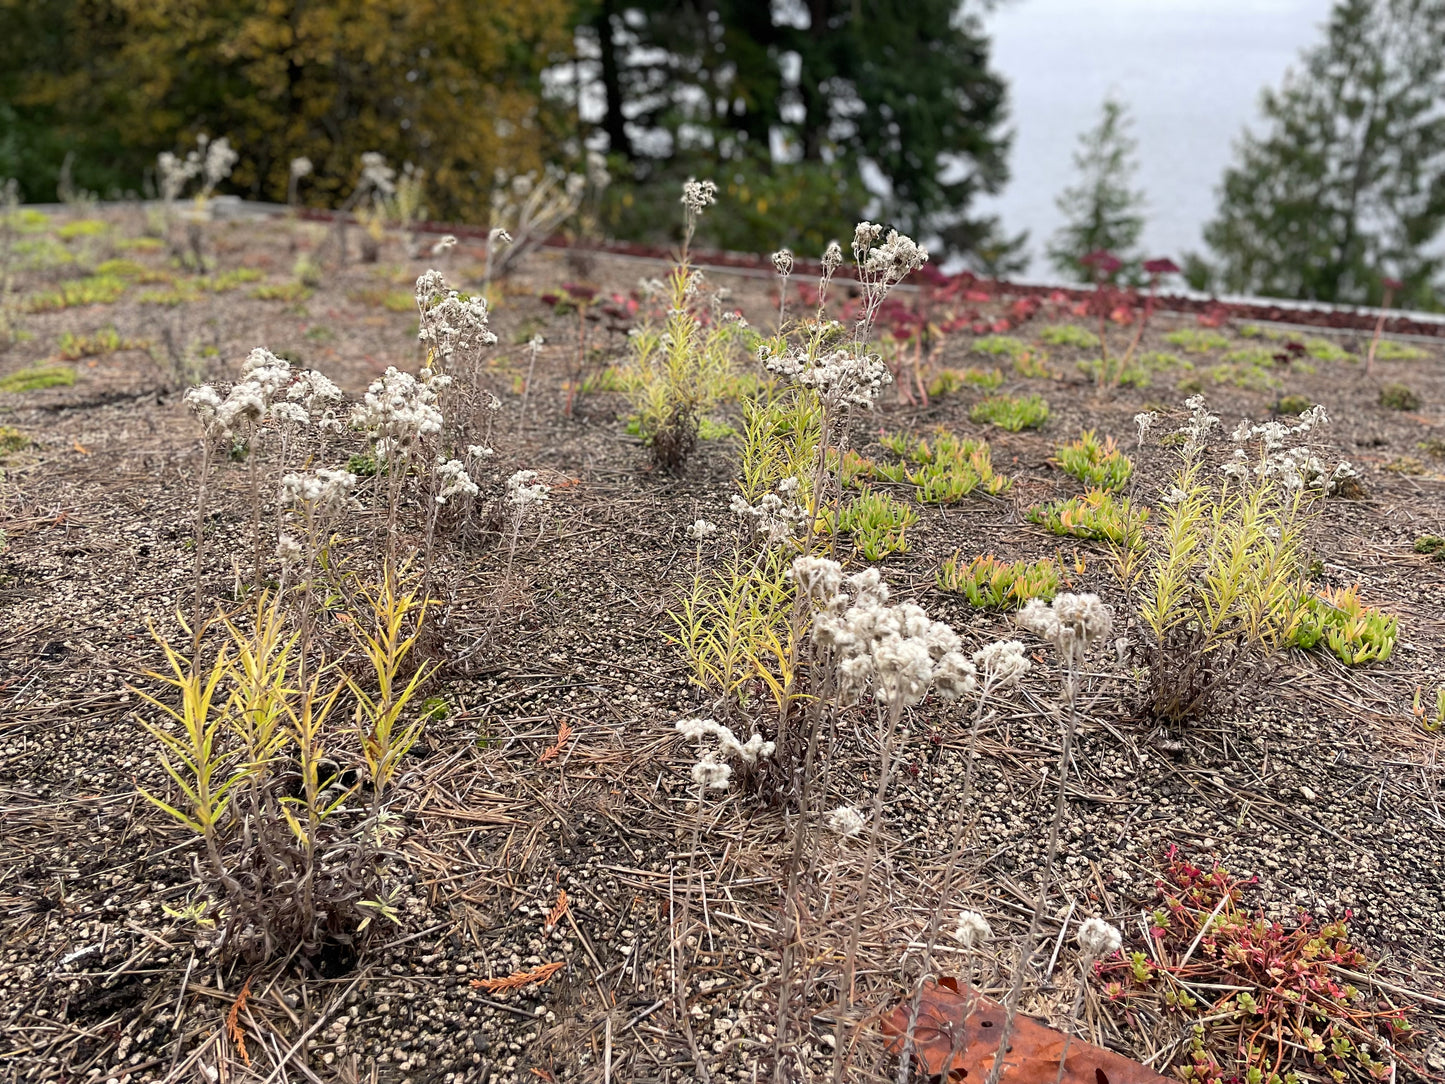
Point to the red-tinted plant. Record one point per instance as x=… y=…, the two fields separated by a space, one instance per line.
x=1275 y=995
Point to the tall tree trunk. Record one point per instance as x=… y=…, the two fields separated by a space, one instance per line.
x=614 y=123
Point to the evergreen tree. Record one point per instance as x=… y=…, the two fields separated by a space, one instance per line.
x=1346 y=185
x=1101 y=211
x=786 y=103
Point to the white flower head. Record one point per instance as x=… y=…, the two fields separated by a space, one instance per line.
x=846 y=821
x=701 y=529
x=288 y=550
x=1002 y=664
x=523 y=490
x=697 y=195
x=972 y=930
x=783 y=262
x=301 y=167
x=832 y=257
x=1144 y=421
x=444 y=245
x=454 y=480
x=1097 y=938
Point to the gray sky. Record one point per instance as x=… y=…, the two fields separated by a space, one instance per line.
x=1190 y=71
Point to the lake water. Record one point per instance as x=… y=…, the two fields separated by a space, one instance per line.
x=1191 y=72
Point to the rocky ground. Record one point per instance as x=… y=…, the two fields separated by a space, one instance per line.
x=1319 y=783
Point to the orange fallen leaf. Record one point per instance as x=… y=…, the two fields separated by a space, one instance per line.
x=519 y=979
x=563 y=733
x=555 y=915
x=81 y=448
x=233 y=1023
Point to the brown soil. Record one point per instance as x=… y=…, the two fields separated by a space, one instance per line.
x=1319 y=782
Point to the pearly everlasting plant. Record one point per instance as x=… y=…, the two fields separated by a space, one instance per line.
x=713 y=770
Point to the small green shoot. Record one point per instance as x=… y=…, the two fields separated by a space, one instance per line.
x=1013 y=413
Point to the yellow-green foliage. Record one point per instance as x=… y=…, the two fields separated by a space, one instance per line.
x=1433 y=720
x=1393 y=350
x=107 y=340
x=1196 y=340
x=782 y=429
x=1097 y=515
x=38 y=378
x=855 y=469
x=12 y=440
x=951 y=380
x=83 y=227
x=1070 y=335
x=1000 y=585
x=92 y=290
x=876 y=522
x=1222 y=582
x=945 y=468
x=1013 y=413
x=1354 y=632
x=290 y=292
x=396 y=616
x=735 y=626
x=1098 y=464
x=1399 y=397
x=1034 y=364
x=678 y=372
x=609 y=378
x=1328 y=350
x=1001 y=344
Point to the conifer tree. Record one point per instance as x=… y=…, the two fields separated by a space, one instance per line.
x=1102 y=213
x=1344 y=186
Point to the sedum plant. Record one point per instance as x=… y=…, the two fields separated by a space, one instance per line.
x=945 y=469
x=1354 y=632
x=989 y=583
x=1099 y=464
x=1098 y=514
x=1013 y=413
x=876 y=522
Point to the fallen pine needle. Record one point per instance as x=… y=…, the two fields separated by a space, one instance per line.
x=233 y=1023
x=521 y=978
x=563 y=733
x=555 y=915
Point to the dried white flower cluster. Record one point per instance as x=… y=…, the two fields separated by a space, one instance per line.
x=772 y=520
x=212 y=161
x=258 y=397
x=450 y=324
x=846 y=821
x=397 y=411
x=1197 y=429
x=841 y=379
x=1072 y=623
x=897 y=649
x=1097 y=938
x=454 y=480
x=376 y=175
x=972 y=929
x=1001 y=664
x=1294 y=468
x=783 y=262
x=701 y=529
x=320 y=491
x=523 y=490
x=301 y=167
x=890 y=262
x=697 y=195
x=712 y=770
